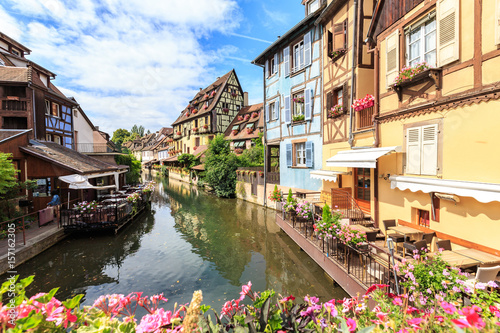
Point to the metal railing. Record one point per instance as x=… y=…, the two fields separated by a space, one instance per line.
x=344 y=203
x=93 y=148
x=365 y=118
x=369 y=265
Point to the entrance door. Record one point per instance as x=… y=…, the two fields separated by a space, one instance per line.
x=362 y=188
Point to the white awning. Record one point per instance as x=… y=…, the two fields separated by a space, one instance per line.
x=360 y=158
x=482 y=192
x=79 y=182
x=327 y=175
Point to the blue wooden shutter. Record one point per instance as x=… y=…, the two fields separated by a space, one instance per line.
x=308 y=104
x=289 y=155
x=288 y=114
x=277 y=109
x=307 y=49
x=276 y=64
x=286 y=56
x=267 y=68
x=267 y=112
x=309 y=154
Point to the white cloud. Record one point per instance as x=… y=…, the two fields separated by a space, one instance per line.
x=126 y=61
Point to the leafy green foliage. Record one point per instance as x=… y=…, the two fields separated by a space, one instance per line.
x=254 y=156
x=134 y=173
x=139 y=130
x=8 y=180
x=220 y=166
x=188 y=160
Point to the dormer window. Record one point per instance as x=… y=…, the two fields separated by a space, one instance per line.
x=312 y=6
x=15 y=52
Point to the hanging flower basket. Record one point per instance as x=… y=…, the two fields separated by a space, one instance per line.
x=363 y=103
x=255 y=114
x=238 y=150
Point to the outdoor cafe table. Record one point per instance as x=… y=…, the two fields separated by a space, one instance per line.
x=483 y=257
x=360 y=228
x=407 y=232
x=455 y=258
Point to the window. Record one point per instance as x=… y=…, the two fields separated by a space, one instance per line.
x=15 y=52
x=312 y=6
x=300 y=154
x=43 y=187
x=423 y=218
x=55 y=110
x=75 y=113
x=337 y=38
x=48 y=137
x=236 y=128
x=272 y=111
x=57 y=139
x=197 y=141
x=422 y=150
x=421 y=42
x=298 y=56
x=363 y=184
x=47 y=107
x=298 y=104
x=251 y=125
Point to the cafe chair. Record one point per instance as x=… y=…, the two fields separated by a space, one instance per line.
x=444 y=244
x=483 y=275
x=397 y=238
x=411 y=248
x=371 y=236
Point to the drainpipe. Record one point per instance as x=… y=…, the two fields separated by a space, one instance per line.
x=353 y=70
x=33 y=104
x=265 y=129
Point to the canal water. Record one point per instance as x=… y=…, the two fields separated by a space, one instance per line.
x=189 y=240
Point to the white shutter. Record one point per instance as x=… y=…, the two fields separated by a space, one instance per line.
x=267 y=68
x=288 y=114
x=308 y=104
x=497 y=22
x=276 y=64
x=447 y=31
x=277 y=108
x=429 y=154
x=413 y=139
x=286 y=56
x=307 y=49
x=392 y=57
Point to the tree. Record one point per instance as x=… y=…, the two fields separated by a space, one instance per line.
x=188 y=160
x=255 y=155
x=120 y=136
x=139 y=130
x=220 y=167
x=8 y=180
x=134 y=172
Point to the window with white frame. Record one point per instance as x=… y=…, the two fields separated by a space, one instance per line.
x=422 y=150
x=55 y=110
x=300 y=154
x=298 y=104
x=312 y=6
x=47 y=107
x=298 y=56
x=272 y=111
x=421 y=42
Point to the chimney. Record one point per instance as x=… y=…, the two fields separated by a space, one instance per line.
x=97 y=128
x=201 y=89
x=245 y=98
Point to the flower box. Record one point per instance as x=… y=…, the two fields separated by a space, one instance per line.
x=240 y=118
x=249 y=130
x=363 y=103
x=335 y=111
x=178 y=133
x=194 y=111
x=255 y=114
x=238 y=150
x=225 y=110
x=407 y=78
x=212 y=94
x=195 y=129
x=234 y=94
x=247 y=116
x=205 y=126
x=298 y=118
x=337 y=54
x=234 y=132
x=299 y=100
x=206 y=96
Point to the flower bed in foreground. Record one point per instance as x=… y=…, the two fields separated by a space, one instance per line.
x=262 y=312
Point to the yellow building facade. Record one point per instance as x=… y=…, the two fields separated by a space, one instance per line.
x=444 y=176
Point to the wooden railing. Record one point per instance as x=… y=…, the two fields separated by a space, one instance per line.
x=273 y=178
x=93 y=148
x=20 y=104
x=365 y=118
x=344 y=203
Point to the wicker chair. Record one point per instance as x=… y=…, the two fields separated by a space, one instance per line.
x=444 y=244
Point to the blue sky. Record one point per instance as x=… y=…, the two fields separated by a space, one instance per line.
x=140 y=61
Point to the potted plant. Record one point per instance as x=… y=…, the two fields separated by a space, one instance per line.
x=205 y=126
x=195 y=129
x=408 y=73
x=240 y=118
x=299 y=100
x=205 y=97
x=195 y=111
x=304 y=211
x=234 y=132
x=336 y=54
x=290 y=205
x=247 y=116
x=353 y=238
x=363 y=103
x=85 y=207
x=299 y=117
x=329 y=225
x=276 y=195
x=178 y=133
x=233 y=94
x=249 y=130
x=261 y=173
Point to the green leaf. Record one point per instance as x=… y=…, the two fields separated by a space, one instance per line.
x=204 y=308
x=240 y=329
x=47 y=297
x=29 y=322
x=458 y=329
x=343 y=326
x=27 y=281
x=367 y=329
x=72 y=303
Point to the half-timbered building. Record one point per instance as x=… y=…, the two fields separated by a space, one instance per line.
x=246 y=127
x=292 y=68
x=209 y=113
x=442 y=114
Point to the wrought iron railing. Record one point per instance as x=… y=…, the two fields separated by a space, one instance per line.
x=344 y=203
x=93 y=148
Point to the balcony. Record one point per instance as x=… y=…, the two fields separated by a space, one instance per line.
x=12 y=103
x=93 y=148
x=364 y=118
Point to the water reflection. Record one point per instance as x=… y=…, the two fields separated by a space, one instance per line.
x=189 y=240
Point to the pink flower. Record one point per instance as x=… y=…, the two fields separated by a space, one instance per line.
x=351 y=324
x=415 y=323
x=246 y=290
x=448 y=308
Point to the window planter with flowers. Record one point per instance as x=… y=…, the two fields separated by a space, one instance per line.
x=205 y=126
x=335 y=55
x=187 y=113
x=240 y=118
x=364 y=111
x=298 y=118
x=225 y=110
x=238 y=151
x=335 y=111
x=195 y=129
x=178 y=133
x=234 y=132
x=255 y=114
x=205 y=107
x=249 y=130
x=413 y=75
x=247 y=116
x=363 y=103
x=233 y=94
x=195 y=111
x=205 y=97
x=212 y=94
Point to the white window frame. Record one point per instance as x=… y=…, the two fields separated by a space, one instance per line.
x=58 y=139
x=310 y=6
x=272 y=111
x=295 y=109
x=300 y=154
x=298 y=56
x=48 y=110
x=431 y=17
x=58 y=110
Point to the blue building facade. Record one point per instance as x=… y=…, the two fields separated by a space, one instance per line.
x=292 y=102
